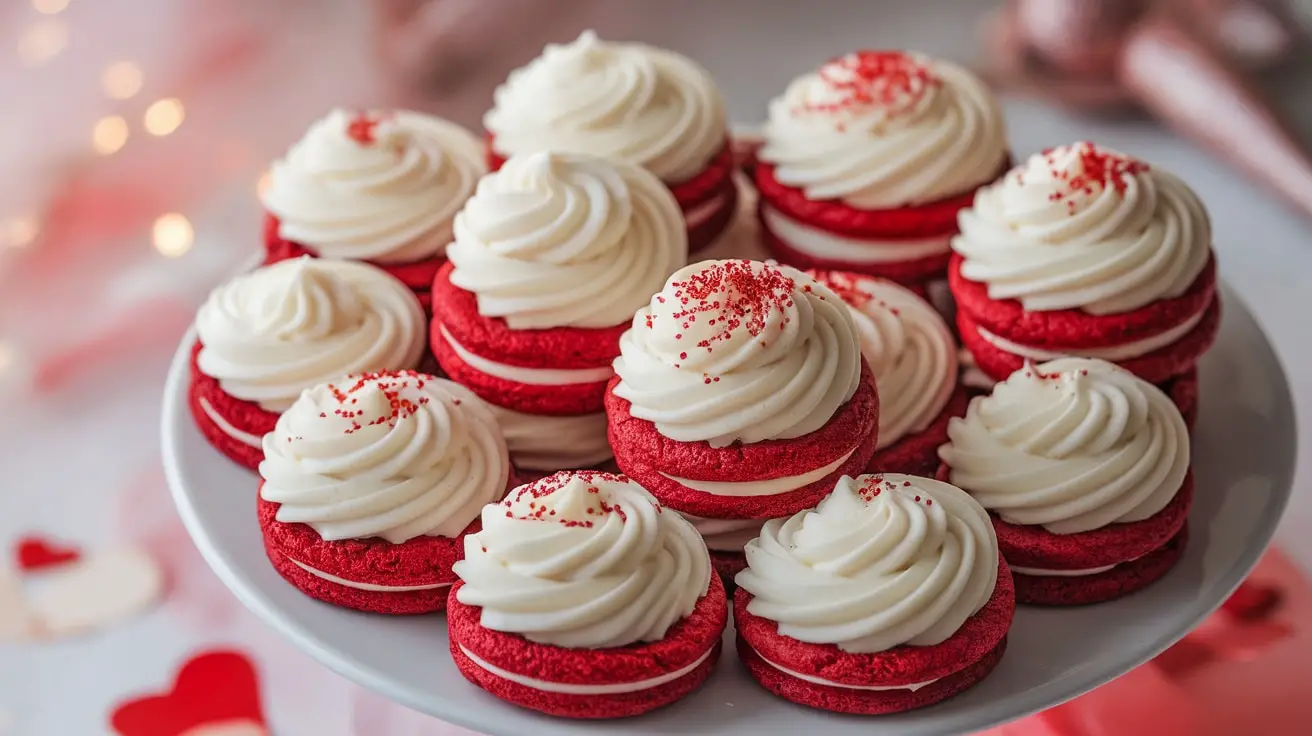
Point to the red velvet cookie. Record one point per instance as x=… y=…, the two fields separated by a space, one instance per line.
x=456 y=317
x=1183 y=390
x=233 y=426
x=650 y=458
x=418 y=275
x=1121 y=580
x=1072 y=331
x=708 y=200
x=727 y=565
x=790 y=668
x=1129 y=549
x=917 y=454
x=417 y=571
x=581 y=683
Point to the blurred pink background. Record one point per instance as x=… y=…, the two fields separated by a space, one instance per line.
x=132 y=142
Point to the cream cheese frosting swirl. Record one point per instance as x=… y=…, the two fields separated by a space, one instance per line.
x=908 y=347
x=884 y=129
x=381 y=186
x=739 y=351
x=884 y=560
x=566 y=240
x=1072 y=445
x=277 y=330
x=583 y=560
x=623 y=101
x=1084 y=227
x=390 y=455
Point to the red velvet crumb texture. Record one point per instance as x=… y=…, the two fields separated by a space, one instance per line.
x=1068 y=329
x=246 y=416
x=711 y=182
x=902 y=665
x=417 y=275
x=1122 y=580
x=1029 y=545
x=419 y=561
x=920 y=221
x=683 y=644
x=917 y=454
x=647 y=456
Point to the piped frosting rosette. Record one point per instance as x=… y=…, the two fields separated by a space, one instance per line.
x=583 y=560
x=280 y=329
x=885 y=129
x=1072 y=445
x=390 y=455
x=1086 y=228
x=623 y=101
x=885 y=560
x=379 y=186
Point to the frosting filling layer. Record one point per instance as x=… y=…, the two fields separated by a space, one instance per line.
x=818 y=243
x=246 y=438
x=1122 y=351
x=371 y=587
x=763 y=487
x=528 y=376
x=830 y=683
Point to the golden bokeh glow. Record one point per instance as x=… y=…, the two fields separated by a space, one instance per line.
x=41 y=42
x=173 y=235
x=164 y=116
x=262 y=186
x=17 y=232
x=121 y=80
x=109 y=135
x=8 y=356
x=49 y=7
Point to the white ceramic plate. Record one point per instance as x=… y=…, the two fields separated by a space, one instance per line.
x=1244 y=450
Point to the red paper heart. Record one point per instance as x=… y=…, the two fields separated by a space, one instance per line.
x=211 y=688
x=35 y=553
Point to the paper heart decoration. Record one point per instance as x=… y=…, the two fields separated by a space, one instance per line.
x=216 y=694
x=34 y=553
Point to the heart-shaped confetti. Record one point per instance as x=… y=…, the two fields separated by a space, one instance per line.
x=34 y=554
x=216 y=693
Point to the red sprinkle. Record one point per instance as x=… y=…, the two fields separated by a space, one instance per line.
x=1099 y=169
x=887 y=79
x=733 y=296
x=362 y=127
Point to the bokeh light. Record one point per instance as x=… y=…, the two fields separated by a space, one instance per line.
x=20 y=231
x=121 y=80
x=41 y=42
x=173 y=235
x=164 y=116
x=49 y=7
x=109 y=135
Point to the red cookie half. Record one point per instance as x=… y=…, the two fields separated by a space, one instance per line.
x=1029 y=545
x=455 y=313
x=364 y=574
x=650 y=458
x=949 y=667
x=1160 y=365
x=727 y=565
x=1066 y=329
x=417 y=275
x=233 y=426
x=1121 y=580
x=1183 y=390
x=582 y=683
x=917 y=454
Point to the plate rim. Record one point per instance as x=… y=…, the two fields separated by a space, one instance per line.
x=1019 y=706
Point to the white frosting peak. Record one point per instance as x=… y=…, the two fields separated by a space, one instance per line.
x=566 y=240
x=623 y=101
x=1073 y=445
x=739 y=351
x=583 y=560
x=884 y=560
x=1084 y=227
x=884 y=129
x=391 y=455
x=381 y=186
x=271 y=333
